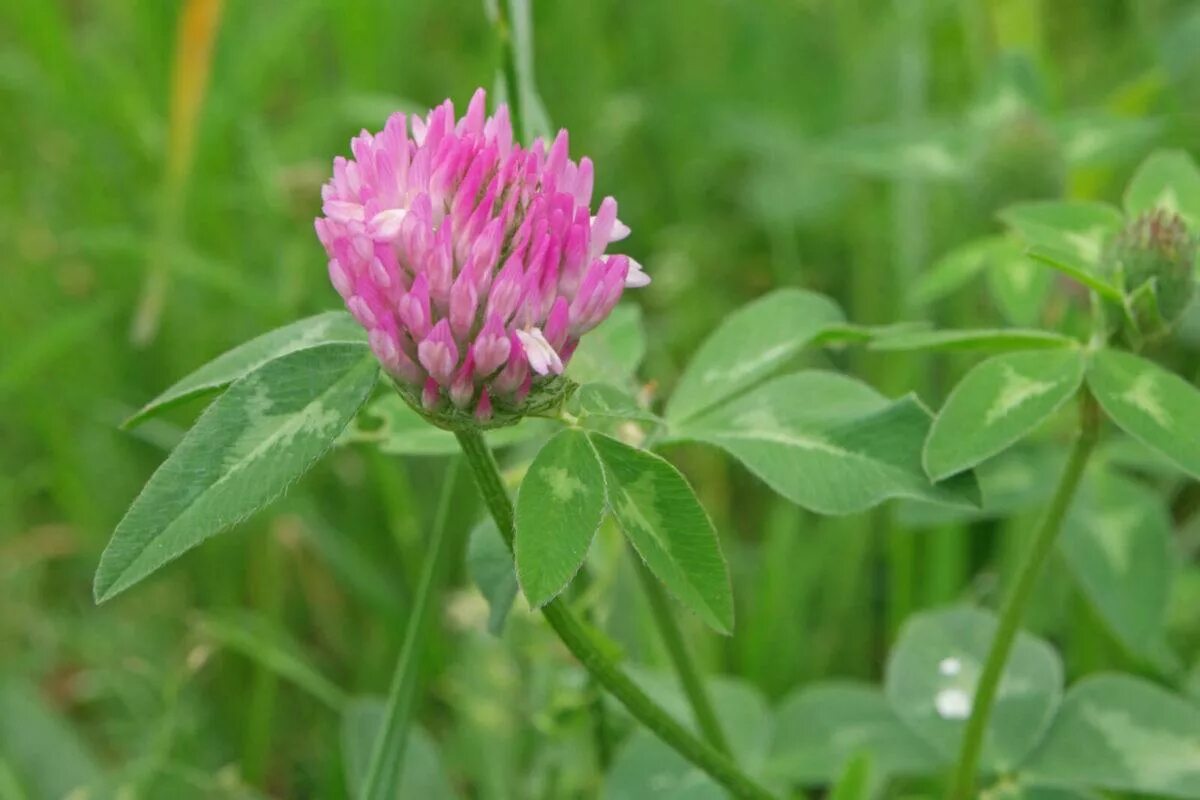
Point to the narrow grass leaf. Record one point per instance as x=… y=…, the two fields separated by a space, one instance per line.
x=857 y=782
x=422 y=775
x=559 y=509
x=272 y=647
x=1124 y=734
x=243 y=452
x=933 y=671
x=326 y=328
x=661 y=516
x=749 y=345
x=996 y=404
x=830 y=443
x=1154 y=406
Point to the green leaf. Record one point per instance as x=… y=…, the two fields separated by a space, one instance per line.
x=750 y=344
x=603 y=400
x=829 y=443
x=996 y=404
x=612 y=352
x=1073 y=267
x=326 y=328
x=1167 y=179
x=1154 y=406
x=490 y=565
x=1019 y=286
x=820 y=728
x=244 y=451
x=1122 y=733
x=933 y=671
x=660 y=515
x=987 y=339
x=41 y=747
x=1011 y=482
x=269 y=645
x=843 y=333
x=390 y=424
x=1079 y=230
x=957 y=268
x=856 y=781
x=559 y=508
x=1009 y=789
x=1117 y=541
x=1091 y=138
x=422 y=774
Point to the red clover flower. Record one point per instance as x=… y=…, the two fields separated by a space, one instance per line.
x=474 y=264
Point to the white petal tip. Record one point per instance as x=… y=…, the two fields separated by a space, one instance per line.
x=541 y=356
x=386 y=224
x=636 y=278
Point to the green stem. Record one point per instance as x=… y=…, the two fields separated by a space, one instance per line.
x=504 y=32
x=685 y=667
x=596 y=708
x=387 y=753
x=584 y=647
x=1038 y=551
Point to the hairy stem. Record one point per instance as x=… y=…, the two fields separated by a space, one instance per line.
x=681 y=658
x=387 y=752
x=1038 y=551
x=576 y=636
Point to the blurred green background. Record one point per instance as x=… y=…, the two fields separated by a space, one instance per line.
x=150 y=222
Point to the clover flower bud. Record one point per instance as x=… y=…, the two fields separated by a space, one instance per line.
x=1154 y=260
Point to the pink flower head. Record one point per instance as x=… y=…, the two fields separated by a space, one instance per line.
x=474 y=264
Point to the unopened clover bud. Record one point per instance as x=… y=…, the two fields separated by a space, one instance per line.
x=1021 y=159
x=474 y=263
x=1154 y=258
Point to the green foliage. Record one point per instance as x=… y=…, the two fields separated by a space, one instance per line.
x=845 y=448
x=330 y=327
x=250 y=445
x=998 y=339
x=490 y=565
x=751 y=146
x=1117 y=542
x=748 y=346
x=933 y=671
x=819 y=730
x=1121 y=733
x=664 y=521
x=422 y=773
x=1168 y=180
x=1157 y=408
x=999 y=402
x=559 y=508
